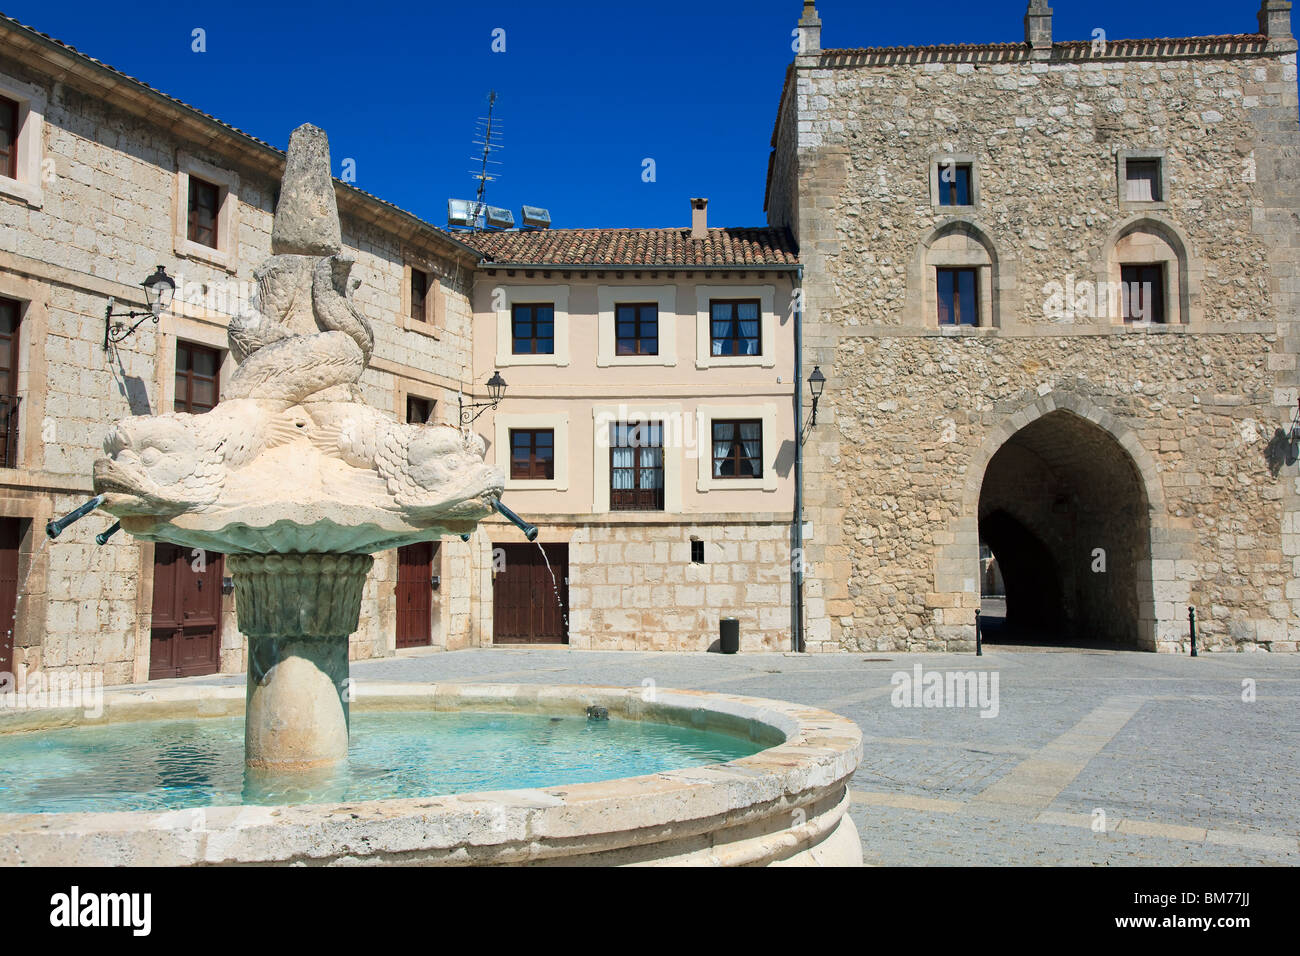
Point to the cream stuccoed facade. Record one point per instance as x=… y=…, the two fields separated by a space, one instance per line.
x=711 y=544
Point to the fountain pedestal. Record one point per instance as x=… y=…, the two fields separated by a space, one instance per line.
x=297 y=611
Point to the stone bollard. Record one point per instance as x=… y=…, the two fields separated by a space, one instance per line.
x=297 y=611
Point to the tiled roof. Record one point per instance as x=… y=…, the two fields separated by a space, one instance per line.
x=635 y=247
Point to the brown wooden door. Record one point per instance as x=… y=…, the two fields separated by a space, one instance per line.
x=415 y=594
x=186 y=634
x=10 y=535
x=524 y=608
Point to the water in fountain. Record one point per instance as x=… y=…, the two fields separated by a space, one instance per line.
x=178 y=764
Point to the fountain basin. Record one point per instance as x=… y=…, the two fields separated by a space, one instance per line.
x=784 y=805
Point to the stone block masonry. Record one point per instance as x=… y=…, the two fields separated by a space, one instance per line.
x=636 y=587
x=1052 y=426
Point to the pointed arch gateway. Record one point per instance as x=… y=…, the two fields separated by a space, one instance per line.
x=1069 y=503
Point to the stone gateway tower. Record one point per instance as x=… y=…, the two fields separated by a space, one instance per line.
x=1053 y=287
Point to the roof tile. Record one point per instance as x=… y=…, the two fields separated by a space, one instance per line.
x=726 y=247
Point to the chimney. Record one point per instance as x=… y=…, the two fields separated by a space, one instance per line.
x=1275 y=19
x=810 y=30
x=1038 y=27
x=699 y=218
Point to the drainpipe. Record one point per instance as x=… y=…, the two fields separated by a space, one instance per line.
x=796 y=567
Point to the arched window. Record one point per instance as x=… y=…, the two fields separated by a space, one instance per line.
x=959 y=273
x=1147 y=275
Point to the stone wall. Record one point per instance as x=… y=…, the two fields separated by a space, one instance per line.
x=634 y=587
x=914 y=413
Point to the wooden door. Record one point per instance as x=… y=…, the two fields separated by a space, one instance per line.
x=10 y=535
x=524 y=608
x=415 y=594
x=186 y=634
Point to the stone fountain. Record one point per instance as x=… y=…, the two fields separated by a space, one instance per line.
x=294 y=477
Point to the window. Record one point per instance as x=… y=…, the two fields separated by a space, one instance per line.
x=197 y=372
x=954 y=184
x=958 y=291
x=533 y=328
x=10 y=316
x=419 y=289
x=697 y=552
x=636 y=466
x=419 y=411
x=1142 y=293
x=738 y=449
x=532 y=453
x=1142 y=180
x=735 y=327
x=8 y=138
x=205 y=206
x=637 y=329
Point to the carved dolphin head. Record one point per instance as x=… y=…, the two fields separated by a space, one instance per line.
x=161 y=465
x=446 y=468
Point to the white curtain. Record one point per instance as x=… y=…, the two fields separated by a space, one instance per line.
x=751 y=436
x=1143 y=179
x=747 y=313
x=622 y=475
x=722 y=439
x=721 y=326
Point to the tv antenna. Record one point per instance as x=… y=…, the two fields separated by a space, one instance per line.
x=475 y=214
x=488 y=131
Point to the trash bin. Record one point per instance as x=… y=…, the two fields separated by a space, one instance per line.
x=729 y=635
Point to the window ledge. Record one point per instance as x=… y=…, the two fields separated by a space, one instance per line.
x=965 y=329
x=423 y=328
x=606 y=362
x=189 y=249
x=510 y=358
x=711 y=361
x=765 y=483
x=29 y=193
x=1144 y=205
x=535 y=484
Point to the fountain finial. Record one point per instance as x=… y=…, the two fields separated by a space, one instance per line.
x=307 y=215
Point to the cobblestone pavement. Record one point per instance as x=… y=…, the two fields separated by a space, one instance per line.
x=1093 y=757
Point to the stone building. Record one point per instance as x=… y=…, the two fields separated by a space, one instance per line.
x=101 y=180
x=1053 y=287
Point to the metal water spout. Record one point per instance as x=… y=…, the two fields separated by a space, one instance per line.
x=103 y=536
x=55 y=527
x=529 y=530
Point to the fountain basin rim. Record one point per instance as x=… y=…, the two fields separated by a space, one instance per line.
x=778 y=803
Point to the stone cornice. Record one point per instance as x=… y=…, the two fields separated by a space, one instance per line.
x=1074 y=51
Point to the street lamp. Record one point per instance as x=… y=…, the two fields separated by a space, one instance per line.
x=496 y=387
x=1294 y=435
x=816 y=382
x=158 y=291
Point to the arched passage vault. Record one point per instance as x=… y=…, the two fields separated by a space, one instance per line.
x=1056 y=485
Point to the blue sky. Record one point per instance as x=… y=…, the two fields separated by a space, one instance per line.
x=587 y=90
